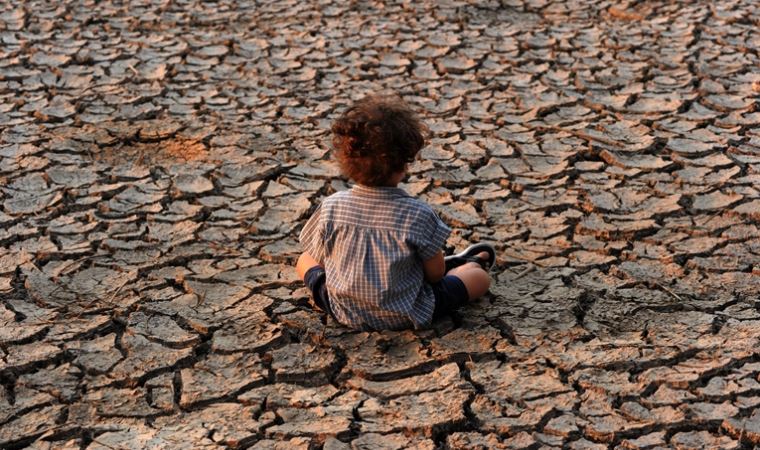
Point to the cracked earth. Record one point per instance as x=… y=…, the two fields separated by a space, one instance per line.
x=157 y=160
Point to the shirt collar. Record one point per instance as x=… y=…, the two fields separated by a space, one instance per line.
x=378 y=191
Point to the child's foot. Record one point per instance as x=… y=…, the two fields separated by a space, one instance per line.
x=482 y=254
x=482 y=260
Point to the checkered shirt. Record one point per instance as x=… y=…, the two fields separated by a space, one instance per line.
x=372 y=242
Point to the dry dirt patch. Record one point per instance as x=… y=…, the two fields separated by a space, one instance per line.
x=147 y=142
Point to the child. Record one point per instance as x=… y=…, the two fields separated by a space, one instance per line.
x=373 y=254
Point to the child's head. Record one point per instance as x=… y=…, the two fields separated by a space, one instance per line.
x=375 y=139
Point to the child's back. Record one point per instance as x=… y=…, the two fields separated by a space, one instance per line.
x=372 y=241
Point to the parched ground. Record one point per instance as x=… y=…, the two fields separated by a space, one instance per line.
x=157 y=160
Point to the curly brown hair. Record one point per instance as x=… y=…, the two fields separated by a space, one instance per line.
x=375 y=138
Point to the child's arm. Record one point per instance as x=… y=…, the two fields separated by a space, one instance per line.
x=306 y=262
x=434 y=268
x=312 y=240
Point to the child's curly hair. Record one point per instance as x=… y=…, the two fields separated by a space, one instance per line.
x=376 y=137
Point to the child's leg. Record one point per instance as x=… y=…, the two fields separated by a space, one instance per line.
x=475 y=279
x=305 y=262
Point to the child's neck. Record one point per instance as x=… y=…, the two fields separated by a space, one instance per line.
x=396 y=178
x=377 y=186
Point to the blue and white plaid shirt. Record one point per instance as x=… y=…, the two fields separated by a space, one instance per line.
x=372 y=242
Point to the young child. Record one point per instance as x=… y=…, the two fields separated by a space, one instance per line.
x=373 y=254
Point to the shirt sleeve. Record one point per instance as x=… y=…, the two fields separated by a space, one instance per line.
x=312 y=236
x=433 y=236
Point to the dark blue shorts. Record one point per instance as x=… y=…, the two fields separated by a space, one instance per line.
x=450 y=293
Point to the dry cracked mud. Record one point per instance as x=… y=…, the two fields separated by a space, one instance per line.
x=157 y=159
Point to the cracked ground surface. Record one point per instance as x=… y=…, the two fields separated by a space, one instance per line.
x=158 y=158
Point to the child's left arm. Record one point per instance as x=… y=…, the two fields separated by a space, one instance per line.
x=312 y=240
